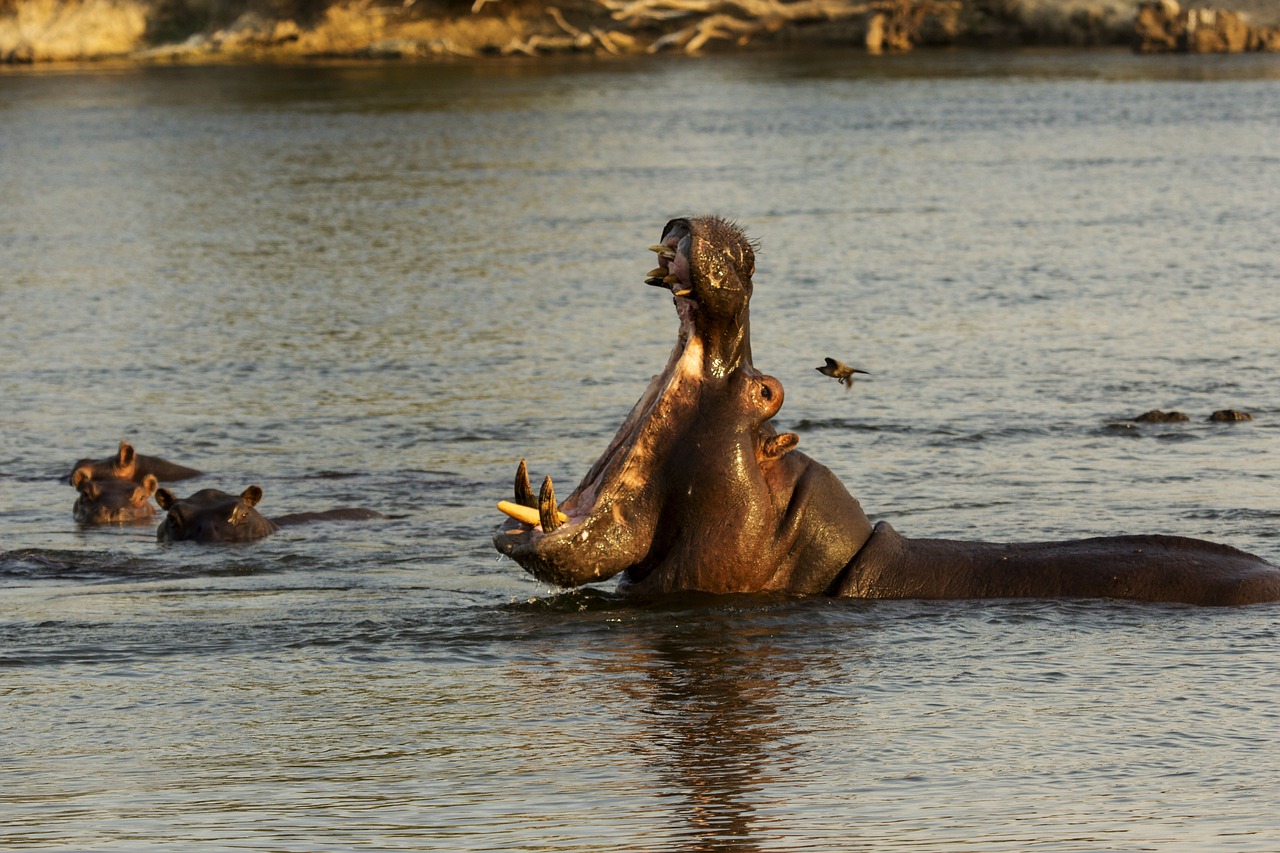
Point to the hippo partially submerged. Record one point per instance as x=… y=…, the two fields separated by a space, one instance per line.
x=212 y=515
x=127 y=464
x=113 y=500
x=698 y=491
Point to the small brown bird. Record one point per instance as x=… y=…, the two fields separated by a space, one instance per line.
x=840 y=371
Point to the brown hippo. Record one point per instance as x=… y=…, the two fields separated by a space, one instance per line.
x=698 y=491
x=129 y=465
x=113 y=500
x=211 y=515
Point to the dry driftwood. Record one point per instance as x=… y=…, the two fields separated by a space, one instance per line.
x=890 y=24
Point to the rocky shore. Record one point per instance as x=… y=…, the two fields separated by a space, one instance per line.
x=253 y=30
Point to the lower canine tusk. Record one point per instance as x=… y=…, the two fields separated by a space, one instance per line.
x=526 y=514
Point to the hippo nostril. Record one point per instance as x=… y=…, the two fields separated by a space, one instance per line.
x=768 y=397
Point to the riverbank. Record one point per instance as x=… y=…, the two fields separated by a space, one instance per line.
x=254 y=30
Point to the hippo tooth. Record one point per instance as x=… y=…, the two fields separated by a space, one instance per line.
x=525 y=514
x=656 y=272
x=684 y=292
x=671 y=279
x=664 y=251
x=524 y=491
x=549 y=514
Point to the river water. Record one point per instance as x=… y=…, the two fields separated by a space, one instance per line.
x=383 y=285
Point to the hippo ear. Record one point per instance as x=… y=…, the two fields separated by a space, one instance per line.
x=165 y=498
x=80 y=476
x=776 y=446
x=149 y=486
x=125 y=454
x=76 y=469
x=252 y=495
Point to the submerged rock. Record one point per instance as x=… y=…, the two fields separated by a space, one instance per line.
x=1155 y=416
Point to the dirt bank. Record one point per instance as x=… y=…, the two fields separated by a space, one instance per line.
x=241 y=30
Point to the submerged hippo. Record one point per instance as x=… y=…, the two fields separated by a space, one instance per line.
x=113 y=500
x=129 y=465
x=698 y=491
x=212 y=515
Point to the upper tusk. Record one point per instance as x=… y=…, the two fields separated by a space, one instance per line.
x=524 y=491
x=549 y=513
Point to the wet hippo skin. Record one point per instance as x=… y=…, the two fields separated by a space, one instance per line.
x=113 y=500
x=212 y=515
x=130 y=465
x=698 y=491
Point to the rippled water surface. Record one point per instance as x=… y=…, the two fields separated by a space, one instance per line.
x=384 y=285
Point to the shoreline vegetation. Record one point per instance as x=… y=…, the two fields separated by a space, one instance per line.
x=204 y=31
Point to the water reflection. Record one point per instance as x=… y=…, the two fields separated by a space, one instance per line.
x=715 y=719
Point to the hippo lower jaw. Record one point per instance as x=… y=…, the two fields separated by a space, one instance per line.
x=606 y=525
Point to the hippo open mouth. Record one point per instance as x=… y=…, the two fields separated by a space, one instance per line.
x=697 y=440
x=697 y=491
x=601 y=524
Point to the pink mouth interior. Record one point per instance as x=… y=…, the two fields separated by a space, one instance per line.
x=609 y=468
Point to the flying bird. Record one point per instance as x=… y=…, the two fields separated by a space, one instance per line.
x=840 y=371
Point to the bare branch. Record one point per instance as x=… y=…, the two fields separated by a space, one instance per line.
x=891 y=24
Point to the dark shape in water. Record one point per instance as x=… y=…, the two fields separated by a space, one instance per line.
x=1155 y=416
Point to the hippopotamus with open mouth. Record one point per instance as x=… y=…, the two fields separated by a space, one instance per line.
x=698 y=491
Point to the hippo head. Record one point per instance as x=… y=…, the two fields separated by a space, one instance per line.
x=697 y=491
x=123 y=466
x=211 y=515
x=112 y=500
x=126 y=464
